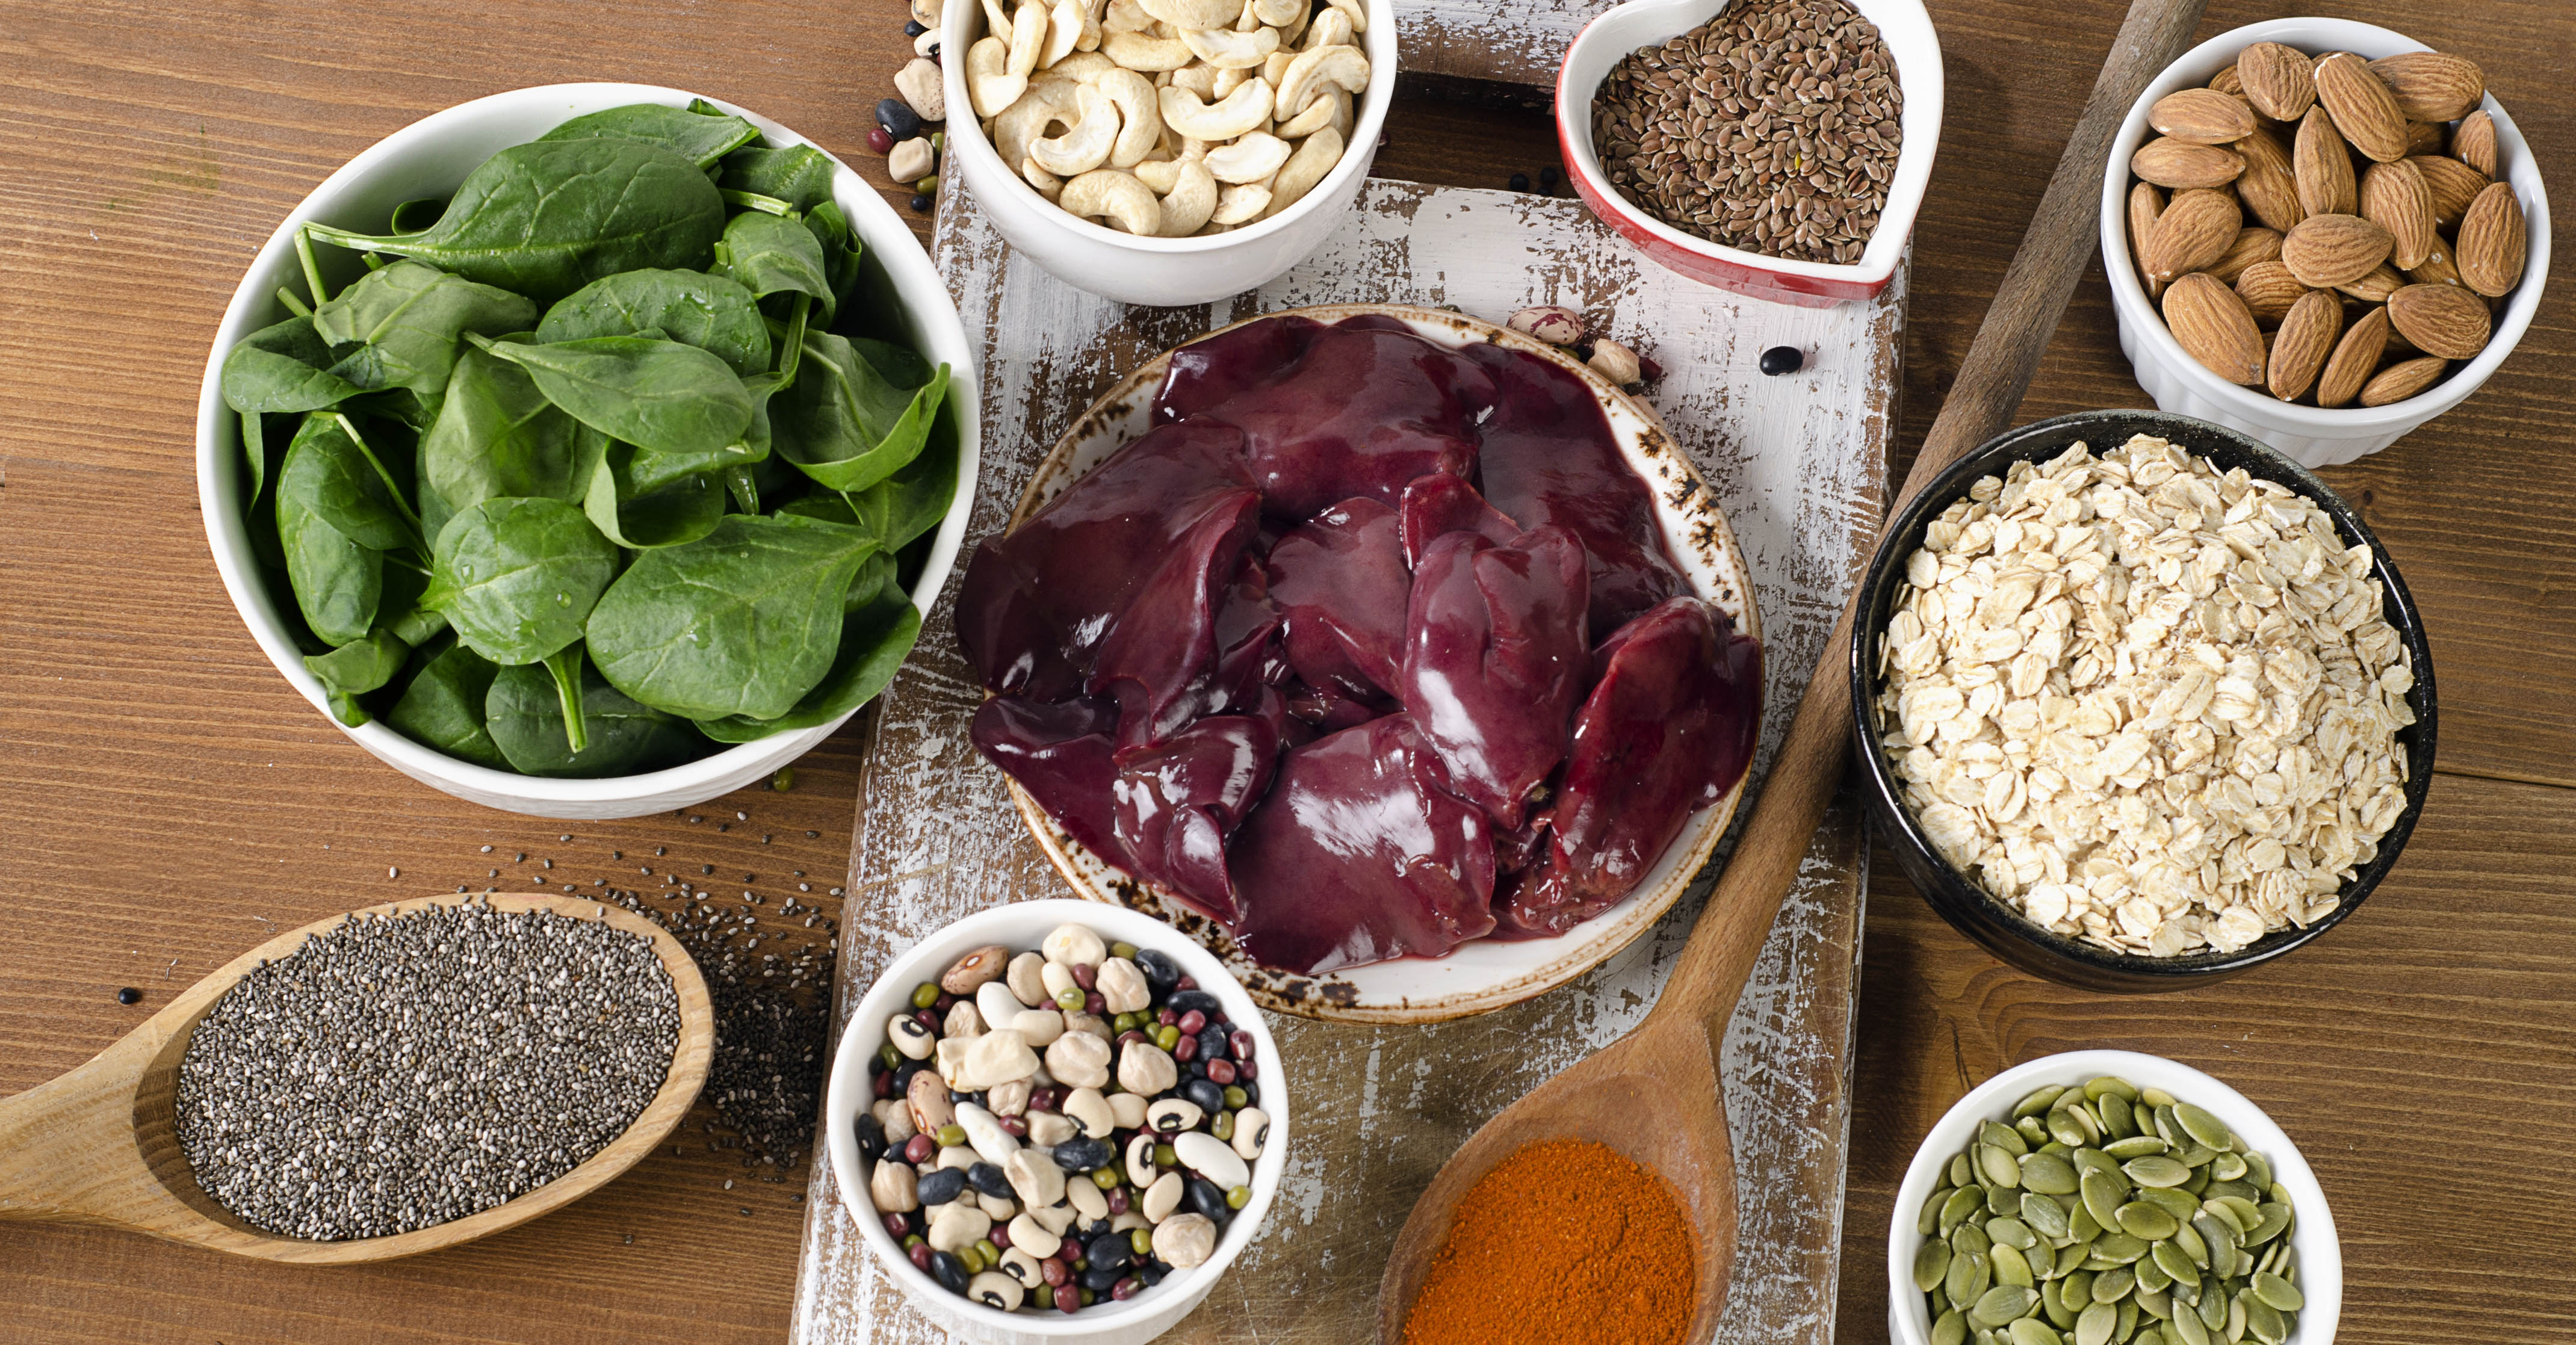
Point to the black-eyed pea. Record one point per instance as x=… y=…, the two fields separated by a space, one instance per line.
x=910 y=1038
x=1019 y=1265
x=1088 y=1109
x=1251 y=1132
x=1088 y=1202
x=1140 y=1160
x=1172 y=1115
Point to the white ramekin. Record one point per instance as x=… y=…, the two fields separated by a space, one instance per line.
x=1164 y=272
x=2314 y=436
x=428 y=158
x=2320 y=1254
x=1607 y=40
x=1021 y=926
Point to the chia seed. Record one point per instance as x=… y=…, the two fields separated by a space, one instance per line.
x=400 y=1072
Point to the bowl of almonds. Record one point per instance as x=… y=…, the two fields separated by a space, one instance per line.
x=2327 y=235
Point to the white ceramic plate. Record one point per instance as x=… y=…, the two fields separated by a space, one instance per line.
x=1486 y=974
x=429 y=158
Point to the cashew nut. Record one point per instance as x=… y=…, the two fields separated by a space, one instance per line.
x=1275 y=67
x=1317 y=116
x=1305 y=168
x=1126 y=16
x=1089 y=38
x=1229 y=50
x=1190 y=201
x=1357 y=10
x=1195 y=13
x=1162 y=175
x=1087 y=145
x=1247 y=22
x=1277 y=13
x=1047 y=103
x=1064 y=28
x=1084 y=66
x=1140 y=125
x=1227 y=81
x=1197 y=78
x=1235 y=205
x=997 y=20
x=1121 y=198
x=1241 y=111
x=1138 y=51
x=1332 y=28
x=1291 y=30
x=1028 y=38
x=987 y=83
x=1048 y=184
x=1312 y=70
x=1250 y=159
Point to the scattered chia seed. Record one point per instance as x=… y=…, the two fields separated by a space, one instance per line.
x=400 y=1072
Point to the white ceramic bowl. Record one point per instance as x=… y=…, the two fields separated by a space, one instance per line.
x=429 y=158
x=1166 y=272
x=1020 y=927
x=2313 y=436
x=1608 y=39
x=1485 y=974
x=2320 y=1255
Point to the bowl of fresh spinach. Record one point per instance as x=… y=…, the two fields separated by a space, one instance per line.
x=588 y=450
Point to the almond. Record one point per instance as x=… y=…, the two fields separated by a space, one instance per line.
x=2227 y=81
x=2267 y=186
x=2452 y=183
x=2146 y=205
x=2322 y=166
x=2441 y=320
x=2474 y=143
x=2213 y=327
x=2276 y=80
x=2300 y=348
x=2492 y=242
x=2328 y=250
x=2194 y=231
x=2375 y=287
x=2426 y=137
x=2268 y=289
x=2394 y=197
x=2432 y=85
x=2201 y=117
x=2167 y=162
x=2254 y=243
x=2362 y=107
x=2355 y=356
x=2437 y=269
x=2398 y=382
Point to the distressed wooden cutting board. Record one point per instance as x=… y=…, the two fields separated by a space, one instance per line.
x=1799 y=463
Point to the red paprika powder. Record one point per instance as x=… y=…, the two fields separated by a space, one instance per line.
x=1564 y=1243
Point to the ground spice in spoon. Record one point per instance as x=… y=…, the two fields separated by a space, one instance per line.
x=1564 y=1243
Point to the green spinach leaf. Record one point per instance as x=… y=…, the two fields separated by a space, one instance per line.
x=518 y=577
x=284 y=367
x=674 y=511
x=337 y=582
x=841 y=248
x=328 y=474
x=799 y=175
x=523 y=713
x=699 y=137
x=361 y=665
x=565 y=667
x=707 y=311
x=642 y=390
x=405 y=320
x=496 y=434
x=874 y=641
x=843 y=422
x=444 y=705
x=768 y=255
x=741 y=622
x=545 y=219
x=417 y=214
x=874 y=580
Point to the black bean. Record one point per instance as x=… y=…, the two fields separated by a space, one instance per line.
x=1205 y=1198
x=949 y=1271
x=1203 y=1094
x=920 y=204
x=1212 y=1045
x=1083 y=1154
x=1153 y=1273
x=913 y=28
x=1519 y=182
x=872 y=1140
x=1783 y=360
x=903 y=1076
x=1111 y=1250
x=988 y=1178
x=1101 y=1279
x=899 y=120
x=942 y=1186
x=1185 y=1000
x=1161 y=972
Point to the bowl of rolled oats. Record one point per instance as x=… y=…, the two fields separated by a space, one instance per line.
x=2141 y=702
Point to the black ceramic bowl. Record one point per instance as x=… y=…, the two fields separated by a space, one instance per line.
x=1960 y=901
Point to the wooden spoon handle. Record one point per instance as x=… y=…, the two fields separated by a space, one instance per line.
x=1989 y=388
x=67 y=1145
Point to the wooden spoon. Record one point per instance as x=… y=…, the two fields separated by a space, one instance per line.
x=1655 y=1095
x=98 y=1145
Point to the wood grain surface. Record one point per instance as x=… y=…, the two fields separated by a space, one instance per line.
x=163 y=794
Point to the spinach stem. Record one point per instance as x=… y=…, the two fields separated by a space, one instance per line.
x=392 y=559
x=312 y=269
x=350 y=428
x=294 y=302
x=755 y=201
x=565 y=664
x=795 y=340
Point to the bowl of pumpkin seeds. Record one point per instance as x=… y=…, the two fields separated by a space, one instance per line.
x=2110 y=1198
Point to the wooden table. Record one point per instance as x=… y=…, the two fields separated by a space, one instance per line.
x=168 y=797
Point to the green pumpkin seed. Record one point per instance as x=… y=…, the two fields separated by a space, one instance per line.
x=1985 y=1337
x=2241 y=1190
x=2135 y=1146
x=2156 y=1170
x=1962 y=1172
x=2187 y=1329
x=2263 y=1321
x=1963 y=1202
x=2059 y=1315
x=2045 y=1173
x=1995 y=1167
x=2003 y=1303
x=2045 y=1216
x=2081 y=1225
x=2197 y=1155
x=2110 y=1085
x=1930 y=1218
x=2011 y=1267
x=2038 y=1101
x=2111 y=1286
x=2153 y=1335
x=2227 y=1167
x=2212 y=1308
x=2278 y=1292
x=2258 y=1170
x=2169 y=1258
x=2069 y=1257
x=2152 y=1278
x=2003 y=1137
x=2276 y=1220
x=2011 y=1232
x=1960 y=1280
x=2000 y=1200
x=2128 y=1320
x=2118 y=1122
x=2172 y=1200
x=2095 y=1324
x=2155 y=1303
x=2032 y=1331
x=2168 y=1128
x=2201 y=1126
x=1969 y=1239
x=2189 y=1242
x=2093 y=1160
x=1951 y=1328
x=2033 y=1129
x=2065 y=1129
x=2120 y=1248
x=2103 y=1198
x=2140 y=1219
x=1931 y=1264
x=2216 y=1230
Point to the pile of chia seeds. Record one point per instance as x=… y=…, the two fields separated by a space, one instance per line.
x=404 y=1071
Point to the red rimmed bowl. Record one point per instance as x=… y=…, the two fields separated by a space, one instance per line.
x=1608 y=39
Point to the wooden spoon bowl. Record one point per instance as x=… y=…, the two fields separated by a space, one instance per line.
x=100 y=1145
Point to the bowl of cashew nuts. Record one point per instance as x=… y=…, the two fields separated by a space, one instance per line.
x=1166 y=152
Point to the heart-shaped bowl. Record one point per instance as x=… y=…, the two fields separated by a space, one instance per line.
x=1486 y=974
